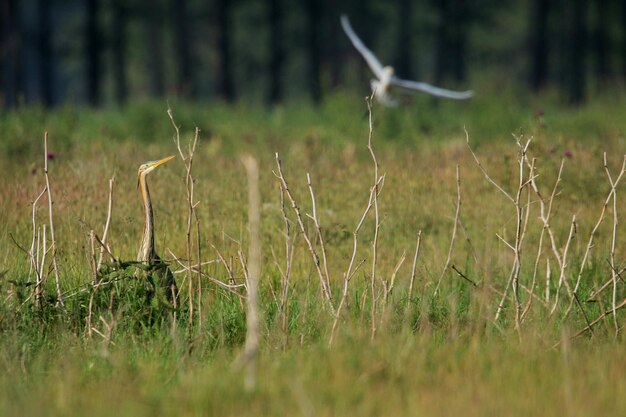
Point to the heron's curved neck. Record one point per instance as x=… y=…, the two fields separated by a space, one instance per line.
x=146 y=251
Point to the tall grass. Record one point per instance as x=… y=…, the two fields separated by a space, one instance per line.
x=394 y=350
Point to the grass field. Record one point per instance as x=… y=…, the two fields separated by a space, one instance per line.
x=430 y=351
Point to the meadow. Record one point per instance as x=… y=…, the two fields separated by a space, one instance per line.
x=482 y=251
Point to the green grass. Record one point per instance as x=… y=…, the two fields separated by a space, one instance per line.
x=431 y=355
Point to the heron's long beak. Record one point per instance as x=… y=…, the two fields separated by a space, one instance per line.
x=162 y=161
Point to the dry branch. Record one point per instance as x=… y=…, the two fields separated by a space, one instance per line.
x=326 y=294
x=53 y=241
x=107 y=224
x=457 y=214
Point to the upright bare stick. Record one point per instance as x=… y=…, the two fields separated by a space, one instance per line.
x=187 y=158
x=318 y=229
x=597 y=226
x=35 y=255
x=94 y=267
x=254 y=271
x=326 y=294
x=457 y=214
x=531 y=167
x=368 y=100
x=389 y=287
x=520 y=229
x=350 y=271
x=107 y=224
x=519 y=234
x=417 y=251
x=613 y=240
x=288 y=261
x=53 y=241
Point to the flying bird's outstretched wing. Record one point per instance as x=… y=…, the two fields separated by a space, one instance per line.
x=414 y=86
x=371 y=59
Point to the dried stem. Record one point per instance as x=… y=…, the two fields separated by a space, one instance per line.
x=94 y=267
x=457 y=214
x=389 y=287
x=283 y=308
x=318 y=229
x=520 y=227
x=417 y=251
x=350 y=271
x=597 y=226
x=105 y=234
x=368 y=100
x=603 y=315
x=53 y=241
x=326 y=294
x=35 y=255
x=187 y=157
x=613 y=240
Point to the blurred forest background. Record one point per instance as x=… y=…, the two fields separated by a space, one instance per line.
x=106 y=52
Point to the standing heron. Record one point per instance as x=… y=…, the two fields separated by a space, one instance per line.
x=147 y=255
x=386 y=80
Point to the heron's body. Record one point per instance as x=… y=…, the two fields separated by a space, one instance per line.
x=147 y=254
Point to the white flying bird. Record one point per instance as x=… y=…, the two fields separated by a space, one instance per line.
x=386 y=79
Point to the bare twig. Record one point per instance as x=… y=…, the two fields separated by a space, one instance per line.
x=34 y=255
x=327 y=295
x=457 y=214
x=94 y=267
x=53 y=241
x=465 y=277
x=520 y=229
x=595 y=229
x=614 y=238
x=283 y=308
x=389 y=287
x=351 y=269
x=318 y=230
x=612 y=311
x=495 y=184
x=417 y=251
x=107 y=224
x=187 y=157
x=368 y=100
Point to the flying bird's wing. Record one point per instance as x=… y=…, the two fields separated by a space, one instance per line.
x=371 y=59
x=414 y=86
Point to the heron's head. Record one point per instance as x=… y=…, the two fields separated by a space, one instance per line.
x=148 y=167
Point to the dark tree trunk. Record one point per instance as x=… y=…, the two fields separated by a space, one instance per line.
x=225 y=86
x=539 y=43
x=314 y=14
x=460 y=21
x=46 y=65
x=404 y=45
x=183 y=47
x=577 y=51
x=443 y=43
x=10 y=54
x=452 y=40
x=119 y=40
x=154 y=41
x=332 y=46
x=277 y=53
x=93 y=47
x=623 y=43
x=602 y=40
